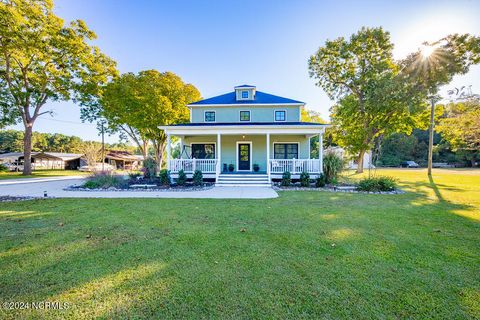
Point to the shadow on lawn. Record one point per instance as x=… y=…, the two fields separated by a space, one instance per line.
x=158 y=267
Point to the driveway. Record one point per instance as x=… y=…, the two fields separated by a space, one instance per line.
x=36 y=187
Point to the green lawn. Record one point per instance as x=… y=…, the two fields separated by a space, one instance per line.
x=303 y=255
x=42 y=174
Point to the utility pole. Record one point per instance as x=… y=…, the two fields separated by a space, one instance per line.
x=103 y=147
x=430 y=138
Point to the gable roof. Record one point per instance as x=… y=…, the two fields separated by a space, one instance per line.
x=231 y=99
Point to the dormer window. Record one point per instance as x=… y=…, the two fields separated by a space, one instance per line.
x=245 y=92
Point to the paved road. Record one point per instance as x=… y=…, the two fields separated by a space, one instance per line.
x=36 y=187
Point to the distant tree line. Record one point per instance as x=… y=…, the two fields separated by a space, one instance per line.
x=12 y=141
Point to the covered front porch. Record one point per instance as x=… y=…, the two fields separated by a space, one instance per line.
x=244 y=151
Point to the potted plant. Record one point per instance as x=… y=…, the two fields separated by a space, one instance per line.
x=231 y=167
x=256 y=167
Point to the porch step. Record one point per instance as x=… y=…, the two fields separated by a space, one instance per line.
x=242 y=180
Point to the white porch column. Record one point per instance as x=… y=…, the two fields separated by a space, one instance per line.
x=168 y=151
x=181 y=147
x=219 y=154
x=320 y=150
x=268 y=156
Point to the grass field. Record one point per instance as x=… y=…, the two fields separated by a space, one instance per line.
x=303 y=255
x=42 y=174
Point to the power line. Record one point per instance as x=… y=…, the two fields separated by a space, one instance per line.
x=67 y=121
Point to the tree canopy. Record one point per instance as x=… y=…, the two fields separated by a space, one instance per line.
x=372 y=98
x=137 y=104
x=42 y=60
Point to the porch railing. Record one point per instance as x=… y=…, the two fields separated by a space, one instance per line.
x=294 y=166
x=190 y=165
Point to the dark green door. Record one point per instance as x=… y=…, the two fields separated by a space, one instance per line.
x=243 y=156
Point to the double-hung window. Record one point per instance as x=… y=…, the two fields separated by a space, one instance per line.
x=245 y=94
x=285 y=150
x=280 y=115
x=209 y=116
x=244 y=115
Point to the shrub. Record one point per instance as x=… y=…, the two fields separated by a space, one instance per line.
x=104 y=180
x=320 y=182
x=332 y=166
x=197 y=178
x=3 y=168
x=182 y=178
x=164 y=177
x=286 y=178
x=305 y=179
x=377 y=184
x=150 y=168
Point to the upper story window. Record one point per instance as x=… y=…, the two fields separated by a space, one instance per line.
x=280 y=115
x=244 y=94
x=244 y=115
x=209 y=116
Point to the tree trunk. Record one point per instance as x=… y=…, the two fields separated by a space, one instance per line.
x=145 y=149
x=430 y=138
x=159 y=149
x=361 y=154
x=27 y=150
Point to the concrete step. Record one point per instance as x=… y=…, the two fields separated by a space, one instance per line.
x=243 y=185
x=243 y=175
x=243 y=179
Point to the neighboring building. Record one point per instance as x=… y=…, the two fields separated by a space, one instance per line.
x=123 y=160
x=57 y=160
x=351 y=160
x=46 y=160
x=245 y=132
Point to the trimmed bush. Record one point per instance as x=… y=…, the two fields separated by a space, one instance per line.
x=286 y=179
x=150 y=168
x=320 y=182
x=377 y=184
x=164 y=177
x=305 y=179
x=182 y=178
x=197 y=178
x=104 y=180
x=332 y=166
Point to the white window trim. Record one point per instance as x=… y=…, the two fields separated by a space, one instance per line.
x=275 y=111
x=286 y=142
x=214 y=143
x=204 y=114
x=251 y=154
x=240 y=113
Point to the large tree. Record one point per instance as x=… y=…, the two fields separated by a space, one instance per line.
x=137 y=104
x=435 y=65
x=372 y=99
x=42 y=60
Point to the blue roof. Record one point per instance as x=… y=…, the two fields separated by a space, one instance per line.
x=260 y=98
x=215 y=124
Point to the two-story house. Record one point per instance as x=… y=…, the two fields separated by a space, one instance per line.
x=245 y=137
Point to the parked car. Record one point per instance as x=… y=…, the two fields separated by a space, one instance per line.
x=97 y=167
x=409 y=164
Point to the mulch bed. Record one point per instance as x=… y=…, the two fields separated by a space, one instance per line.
x=297 y=187
x=171 y=188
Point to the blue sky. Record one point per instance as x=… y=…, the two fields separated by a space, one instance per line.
x=216 y=45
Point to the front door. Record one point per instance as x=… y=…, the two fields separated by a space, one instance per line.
x=244 y=156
